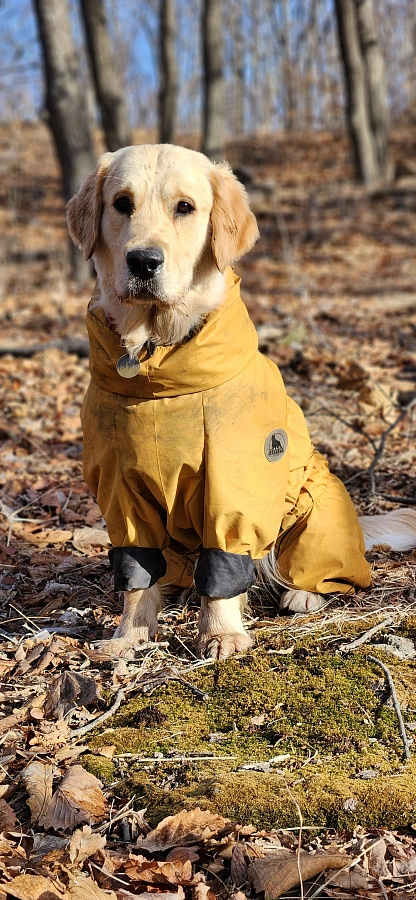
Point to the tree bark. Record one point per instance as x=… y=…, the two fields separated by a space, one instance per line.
x=65 y=104
x=366 y=96
x=237 y=63
x=168 y=72
x=374 y=70
x=108 y=87
x=213 y=125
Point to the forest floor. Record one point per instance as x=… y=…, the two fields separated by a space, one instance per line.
x=283 y=769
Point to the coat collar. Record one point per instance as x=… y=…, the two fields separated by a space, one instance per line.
x=220 y=350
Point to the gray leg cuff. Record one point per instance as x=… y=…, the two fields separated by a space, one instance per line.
x=221 y=574
x=136 y=568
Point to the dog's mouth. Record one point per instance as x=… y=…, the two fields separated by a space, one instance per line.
x=141 y=291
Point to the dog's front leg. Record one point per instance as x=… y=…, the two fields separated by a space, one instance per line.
x=138 y=623
x=221 y=630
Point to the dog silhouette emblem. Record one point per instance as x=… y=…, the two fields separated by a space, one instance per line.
x=275 y=445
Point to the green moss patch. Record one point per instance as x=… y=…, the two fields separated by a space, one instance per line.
x=319 y=722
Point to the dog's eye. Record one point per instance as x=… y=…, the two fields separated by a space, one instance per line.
x=123 y=205
x=184 y=208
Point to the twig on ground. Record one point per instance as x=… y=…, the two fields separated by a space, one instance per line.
x=396 y=704
x=171 y=759
x=382 y=442
x=35 y=628
x=299 y=847
x=201 y=694
x=346 y=648
x=354 y=861
x=79 y=732
x=101 y=829
x=404 y=501
x=149 y=682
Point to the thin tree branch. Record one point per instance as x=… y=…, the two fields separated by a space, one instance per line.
x=396 y=704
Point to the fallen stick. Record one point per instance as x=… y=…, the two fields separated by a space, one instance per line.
x=396 y=704
x=380 y=449
x=346 y=648
x=170 y=759
x=79 y=732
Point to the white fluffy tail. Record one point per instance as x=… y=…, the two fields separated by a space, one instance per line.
x=396 y=528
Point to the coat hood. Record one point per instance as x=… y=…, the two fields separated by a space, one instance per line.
x=218 y=352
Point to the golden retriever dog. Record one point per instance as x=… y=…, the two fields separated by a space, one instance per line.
x=202 y=465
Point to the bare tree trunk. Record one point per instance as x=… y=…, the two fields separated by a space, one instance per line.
x=374 y=69
x=290 y=103
x=366 y=98
x=108 y=87
x=65 y=103
x=168 y=72
x=237 y=63
x=213 y=79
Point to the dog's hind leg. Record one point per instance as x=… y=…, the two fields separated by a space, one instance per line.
x=296 y=601
x=138 y=623
x=221 y=629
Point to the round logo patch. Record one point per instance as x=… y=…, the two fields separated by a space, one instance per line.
x=275 y=445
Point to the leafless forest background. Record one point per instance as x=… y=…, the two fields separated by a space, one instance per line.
x=282 y=62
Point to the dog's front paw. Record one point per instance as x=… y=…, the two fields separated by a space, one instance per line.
x=221 y=630
x=124 y=644
x=302 y=601
x=221 y=646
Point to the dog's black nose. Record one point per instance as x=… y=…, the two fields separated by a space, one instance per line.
x=145 y=262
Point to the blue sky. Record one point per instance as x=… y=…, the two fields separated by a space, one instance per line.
x=135 y=40
x=21 y=76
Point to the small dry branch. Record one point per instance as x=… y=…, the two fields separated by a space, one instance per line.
x=346 y=648
x=396 y=704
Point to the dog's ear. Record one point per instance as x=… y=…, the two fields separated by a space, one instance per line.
x=83 y=211
x=234 y=226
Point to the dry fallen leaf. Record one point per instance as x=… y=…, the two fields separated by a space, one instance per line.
x=37 y=778
x=14 y=719
x=78 y=798
x=353 y=880
x=187 y=827
x=277 y=874
x=152 y=894
x=86 y=539
x=238 y=866
x=108 y=751
x=47 y=847
x=202 y=892
x=7 y=817
x=70 y=689
x=51 y=536
x=376 y=856
x=52 y=735
x=183 y=853
x=82 y=887
x=35 y=887
x=402 y=867
x=154 y=872
x=84 y=844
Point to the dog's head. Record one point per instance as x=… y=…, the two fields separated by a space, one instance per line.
x=157 y=219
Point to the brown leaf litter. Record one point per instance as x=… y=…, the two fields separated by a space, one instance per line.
x=331 y=289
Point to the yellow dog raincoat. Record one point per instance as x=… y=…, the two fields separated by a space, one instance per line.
x=201 y=463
